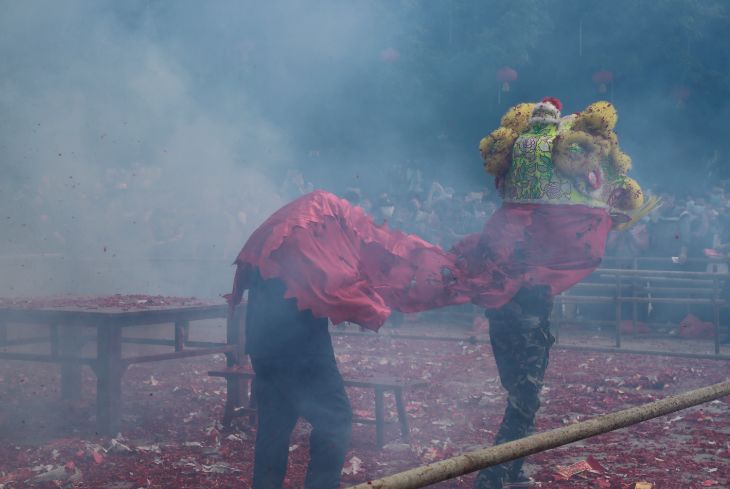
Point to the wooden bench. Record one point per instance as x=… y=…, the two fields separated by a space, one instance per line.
x=380 y=386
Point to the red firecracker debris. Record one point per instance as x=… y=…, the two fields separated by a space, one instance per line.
x=590 y=465
x=98 y=457
x=458 y=411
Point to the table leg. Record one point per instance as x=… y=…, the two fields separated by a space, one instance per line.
x=252 y=400
x=70 y=343
x=235 y=387
x=241 y=343
x=379 y=417
x=404 y=430
x=109 y=372
x=233 y=332
x=618 y=323
x=181 y=334
x=233 y=394
x=246 y=388
x=54 y=336
x=716 y=321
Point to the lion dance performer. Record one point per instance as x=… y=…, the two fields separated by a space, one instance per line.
x=564 y=176
x=319 y=257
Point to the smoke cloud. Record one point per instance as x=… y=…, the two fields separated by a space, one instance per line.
x=142 y=141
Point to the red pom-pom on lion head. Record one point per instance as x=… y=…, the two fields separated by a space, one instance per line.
x=554 y=101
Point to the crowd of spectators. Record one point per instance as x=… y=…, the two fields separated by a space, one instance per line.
x=693 y=231
x=136 y=209
x=686 y=232
x=440 y=213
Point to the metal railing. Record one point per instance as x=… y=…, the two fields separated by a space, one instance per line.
x=650 y=287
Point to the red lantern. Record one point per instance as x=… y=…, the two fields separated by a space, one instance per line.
x=390 y=55
x=602 y=79
x=680 y=95
x=506 y=75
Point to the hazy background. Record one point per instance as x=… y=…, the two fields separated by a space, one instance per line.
x=142 y=141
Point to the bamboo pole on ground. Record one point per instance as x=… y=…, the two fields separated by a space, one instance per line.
x=487 y=457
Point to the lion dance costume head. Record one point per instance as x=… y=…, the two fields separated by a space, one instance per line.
x=538 y=156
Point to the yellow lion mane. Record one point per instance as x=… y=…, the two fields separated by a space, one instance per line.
x=599 y=118
x=629 y=195
x=620 y=161
x=517 y=118
x=588 y=138
x=496 y=150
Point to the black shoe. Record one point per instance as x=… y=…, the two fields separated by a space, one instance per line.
x=497 y=478
x=521 y=482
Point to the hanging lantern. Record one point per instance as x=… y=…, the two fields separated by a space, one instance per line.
x=680 y=96
x=602 y=78
x=390 y=55
x=506 y=75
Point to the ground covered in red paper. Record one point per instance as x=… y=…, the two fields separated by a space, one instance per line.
x=170 y=436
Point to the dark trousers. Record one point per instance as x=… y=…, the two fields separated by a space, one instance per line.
x=308 y=387
x=521 y=341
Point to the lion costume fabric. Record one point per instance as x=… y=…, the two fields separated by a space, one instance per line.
x=560 y=179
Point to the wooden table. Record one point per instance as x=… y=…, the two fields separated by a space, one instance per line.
x=67 y=332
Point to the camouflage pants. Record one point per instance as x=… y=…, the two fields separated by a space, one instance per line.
x=521 y=340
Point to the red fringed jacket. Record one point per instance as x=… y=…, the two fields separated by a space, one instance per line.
x=335 y=261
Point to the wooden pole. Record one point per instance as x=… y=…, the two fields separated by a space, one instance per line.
x=487 y=457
